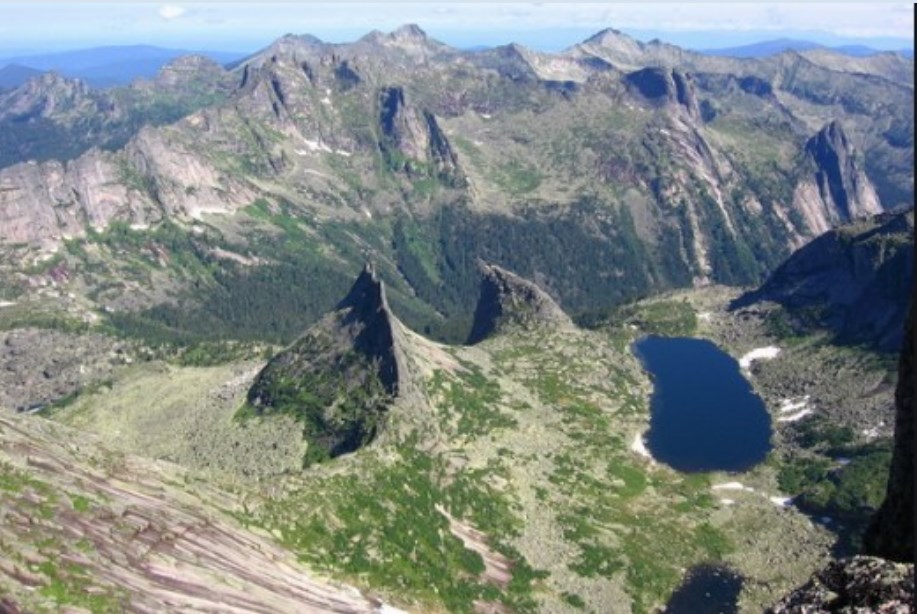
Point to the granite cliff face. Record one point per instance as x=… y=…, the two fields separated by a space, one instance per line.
x=844 y=191
x=508 y=301
x=666 y=87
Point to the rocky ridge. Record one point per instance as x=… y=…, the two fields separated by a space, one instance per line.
x=508 y=302
x=854 y=280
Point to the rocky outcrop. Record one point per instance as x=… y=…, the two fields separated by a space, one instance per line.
x=403 y=129
x=47 y=95
x=843 y=190
x=851 y=586
x=855 y=280
x=891 y=532
x=664 y=86
x=42 y=203
x=191 y=71
x=178 y=549
x=508 y=302
x=341 y=376
x=155 y=175
x=410 y=136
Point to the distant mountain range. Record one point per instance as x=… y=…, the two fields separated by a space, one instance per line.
x=119 y=65
x=101 y=66
x=773 y=47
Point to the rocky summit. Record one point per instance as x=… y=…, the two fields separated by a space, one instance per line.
x=507 y=301
x=340 y=377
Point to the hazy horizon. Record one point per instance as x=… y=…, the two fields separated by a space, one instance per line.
x=233 y=27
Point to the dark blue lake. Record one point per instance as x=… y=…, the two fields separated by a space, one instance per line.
x=705 y=415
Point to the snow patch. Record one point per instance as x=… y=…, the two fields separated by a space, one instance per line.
x=7 y=303
x=794 y=417
x=873 y=432
x=486 y=116
x=705 y=316
x=766 y=353
x=317 y=146
x=732 y=486
x=842 y=461
x=788 y=405
x=727 y=501
x=781 y=501
x=639 y=446
x=729 y=486
x=139 y=226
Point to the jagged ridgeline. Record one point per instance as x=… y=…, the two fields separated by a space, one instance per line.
x=607 y=172
x=341 y=376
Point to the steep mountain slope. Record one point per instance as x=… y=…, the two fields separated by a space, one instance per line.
x=506 y=301
x=855 y=281
x=869 y=582
x=891 y=533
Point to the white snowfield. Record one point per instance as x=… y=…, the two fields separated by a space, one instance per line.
x=766 y=353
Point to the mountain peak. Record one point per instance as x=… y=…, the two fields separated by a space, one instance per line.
x=367 y=292
x=839 y=177
x=408 y=31
x=342 y=375
x=609 y=37
x=508 y=301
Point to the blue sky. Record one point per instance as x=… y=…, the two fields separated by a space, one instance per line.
x=245 y=26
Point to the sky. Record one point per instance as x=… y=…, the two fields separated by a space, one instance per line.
x=39 y=26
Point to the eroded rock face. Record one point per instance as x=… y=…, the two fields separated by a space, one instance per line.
x=41 y=203
x=842 y=184
x=666 y=86
x=891 y=532
x=855 y=585
x=508 y=301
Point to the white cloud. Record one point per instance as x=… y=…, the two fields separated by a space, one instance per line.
x=171 y=11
